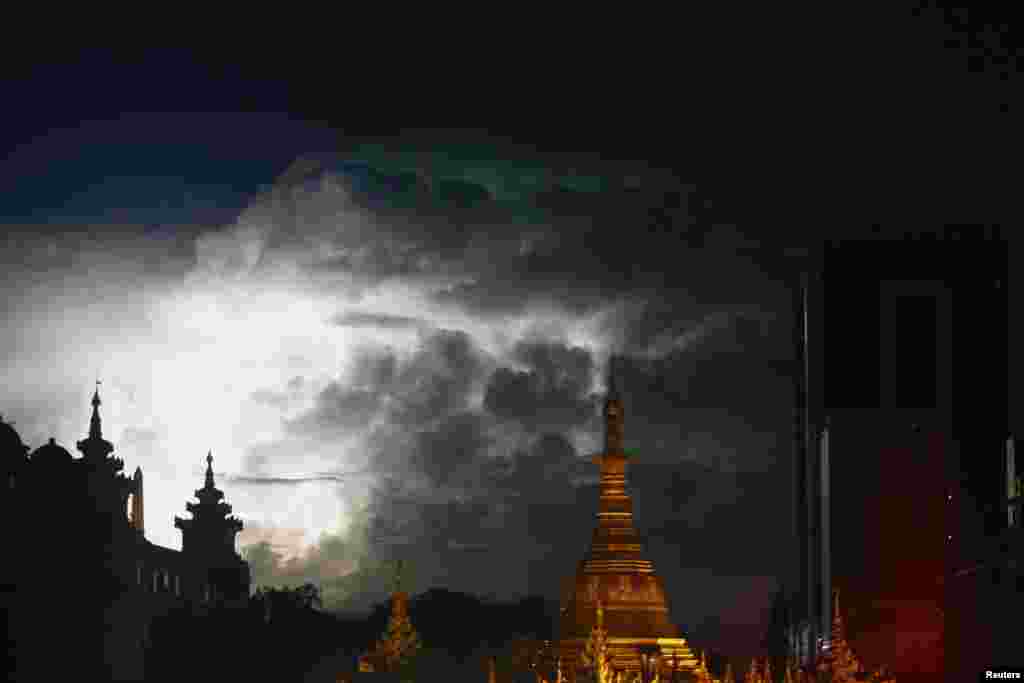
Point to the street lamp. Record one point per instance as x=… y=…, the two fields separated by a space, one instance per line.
x=649 y=656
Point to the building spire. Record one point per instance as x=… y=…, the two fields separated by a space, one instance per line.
x=95 y=448
x=613 y=416
x=94 y=423
x=209 y=470
x=212 y=515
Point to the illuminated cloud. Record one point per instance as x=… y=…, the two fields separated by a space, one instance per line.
x=360 y=324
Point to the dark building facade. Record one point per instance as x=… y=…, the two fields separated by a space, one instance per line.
x=900 y=471
x=83 y=585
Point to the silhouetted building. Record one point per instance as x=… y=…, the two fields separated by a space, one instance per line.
x=83 y=585
x=899 y=467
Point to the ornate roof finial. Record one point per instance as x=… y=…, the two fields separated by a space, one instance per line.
x=94 y=423
x=209 y=469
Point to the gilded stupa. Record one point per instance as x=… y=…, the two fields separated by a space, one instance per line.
x=401 y=642
x=616 y=574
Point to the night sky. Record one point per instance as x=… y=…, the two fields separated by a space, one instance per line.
x=394 y=337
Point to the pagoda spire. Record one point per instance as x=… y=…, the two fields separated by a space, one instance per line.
x=401 y=642
x=212 y=528
x=614 y=419
x=94 y=423
x=95 y=448
x=208 y=484
x=616 y=545
x=839 y=662
x=616 y=592
x=596 y=655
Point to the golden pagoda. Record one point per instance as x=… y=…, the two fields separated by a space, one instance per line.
x=615 y=573
x=401 y=642
x=840 y=663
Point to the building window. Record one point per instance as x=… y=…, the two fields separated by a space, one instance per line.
x=156 y=581
x=177 y=585
x=167 y=580
x=138 y=574
x=206 y=592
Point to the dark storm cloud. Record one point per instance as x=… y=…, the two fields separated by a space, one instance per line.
x=539 y=471
x=720 y=398
x=461 y=193
x=438 y=379
x=552 y=393
x=375 y=369
x=590 y=235
x=434 y=383
x=338 y=407
x=703 y=381
x=458 y=441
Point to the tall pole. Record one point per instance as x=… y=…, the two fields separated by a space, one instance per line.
x=799 y=571
x=825 y=596
x=812 y=476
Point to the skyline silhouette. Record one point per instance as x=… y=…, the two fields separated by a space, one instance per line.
x=393 y=337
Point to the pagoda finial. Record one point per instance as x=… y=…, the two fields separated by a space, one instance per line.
x=837 y=618
x=397 y=578
x=209 y=469
x=614 y=420
x=613 y=390
x=94 y=422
